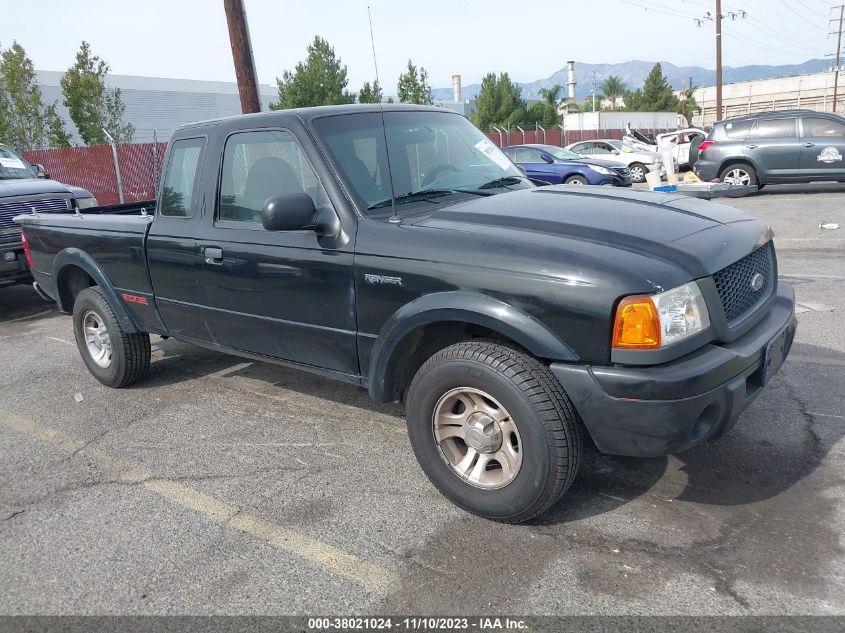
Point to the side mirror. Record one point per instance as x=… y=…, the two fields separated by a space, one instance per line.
x=40 y=172
x=521 y=169
x=615 y=152
x=289 y=212
x=547 y=158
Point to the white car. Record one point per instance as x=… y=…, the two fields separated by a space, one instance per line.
x=681 y=141
x=637 y=160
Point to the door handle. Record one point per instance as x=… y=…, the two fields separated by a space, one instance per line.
x=809 y=144
x=751 y=146
x=213 y=255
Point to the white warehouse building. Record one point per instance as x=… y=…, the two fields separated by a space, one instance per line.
x=161 y=105
x=812 y=91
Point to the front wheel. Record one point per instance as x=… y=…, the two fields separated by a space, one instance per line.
x=575 y=180
x=493 y=430
x=113 y=356
x=638 y=172
x=739 y=175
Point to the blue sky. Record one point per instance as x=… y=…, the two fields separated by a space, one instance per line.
x=188 y=38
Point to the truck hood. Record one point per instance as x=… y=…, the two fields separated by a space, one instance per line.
x=667 y=227
x=30 y=187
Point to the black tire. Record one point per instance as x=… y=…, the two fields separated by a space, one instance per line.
x=694 y=146
x=638 y=168
x=741 y=167
x=548 y=426
x=130 y=353
x=576 y=180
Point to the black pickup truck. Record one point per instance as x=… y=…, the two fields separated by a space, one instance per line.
x=24 y=187
x=401 y=251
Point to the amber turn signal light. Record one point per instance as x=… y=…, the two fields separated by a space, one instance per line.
x=637 y=324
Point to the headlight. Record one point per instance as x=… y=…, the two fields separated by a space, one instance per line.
x=86 y=203
x=655 y=321
x=601 y=170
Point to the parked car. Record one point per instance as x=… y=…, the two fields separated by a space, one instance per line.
x=509 y=318
x=24 y=187
x=637 y=160
x=557 y=165
x=682 y=140
x=775 y=147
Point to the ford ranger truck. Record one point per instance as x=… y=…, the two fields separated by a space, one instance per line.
x=401 y=251
x=22 y=189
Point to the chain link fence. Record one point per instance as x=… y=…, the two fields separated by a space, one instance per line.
x=93 y=168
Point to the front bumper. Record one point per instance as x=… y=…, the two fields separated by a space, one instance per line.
x=651 y=411
x=16 y=270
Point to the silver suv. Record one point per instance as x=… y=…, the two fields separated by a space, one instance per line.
x=774 y=147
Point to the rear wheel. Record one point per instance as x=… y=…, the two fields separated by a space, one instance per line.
x=575 y=180
x=113 y=356
x=740 y=174
x=638 y=172
x=493 y=430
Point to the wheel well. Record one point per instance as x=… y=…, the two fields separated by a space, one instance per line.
x=421 y=343
x=71 y=281
x=731 y=162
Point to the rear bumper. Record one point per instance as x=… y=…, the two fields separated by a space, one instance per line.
x=651 y=411
x=706 y=170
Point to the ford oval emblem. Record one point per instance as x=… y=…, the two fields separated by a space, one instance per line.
x=757 y=282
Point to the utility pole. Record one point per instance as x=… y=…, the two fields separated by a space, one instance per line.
x=718 y=59
x=242 y=55
x=838 y=51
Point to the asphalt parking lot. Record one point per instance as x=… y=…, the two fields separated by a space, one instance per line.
x=227 y=486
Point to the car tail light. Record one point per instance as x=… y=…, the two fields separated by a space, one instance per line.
x=704 y=145
x=26 y=252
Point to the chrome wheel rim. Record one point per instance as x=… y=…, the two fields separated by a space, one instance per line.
x=97 y=338
x=738 y=177
x=477 y=438
x=576 y=181
x=637 y=173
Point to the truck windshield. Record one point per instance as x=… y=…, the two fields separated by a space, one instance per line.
x=13 y=166
x=432 y=155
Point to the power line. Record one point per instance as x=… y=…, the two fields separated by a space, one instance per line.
x=788 y=6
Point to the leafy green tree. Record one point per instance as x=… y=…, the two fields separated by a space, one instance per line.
x=24 y=121
x=370 y=93
x=546 y=111
x=614 y=89
x=319 y=80
x=92 y=105
x=413 y=86
x=691 y=105
x=656 y=95
x=499 y=102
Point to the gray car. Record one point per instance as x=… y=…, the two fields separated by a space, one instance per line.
x=775 y=147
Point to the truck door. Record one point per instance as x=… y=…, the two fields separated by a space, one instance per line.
x=773 y=144
x=173 y=256
x=283 y=294
x=822 y=148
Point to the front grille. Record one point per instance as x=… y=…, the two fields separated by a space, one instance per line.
x=734 y=283
x=624 y=172
x=10 y=209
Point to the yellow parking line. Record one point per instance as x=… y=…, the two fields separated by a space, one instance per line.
x=337 y=561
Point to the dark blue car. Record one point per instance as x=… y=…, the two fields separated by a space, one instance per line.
x=557 y=165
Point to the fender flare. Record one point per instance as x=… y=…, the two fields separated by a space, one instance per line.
x=462 y=307
x=81 y=259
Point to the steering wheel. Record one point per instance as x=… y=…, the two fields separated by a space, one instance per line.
x=437 y=171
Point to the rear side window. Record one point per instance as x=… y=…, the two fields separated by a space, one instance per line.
x=775 y=128
x=180 y=181
x=738 y=130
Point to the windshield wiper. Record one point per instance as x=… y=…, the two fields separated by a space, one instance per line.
x=411 y=196
x=501 y=182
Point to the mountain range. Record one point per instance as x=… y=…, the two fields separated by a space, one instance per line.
x=634 y=72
